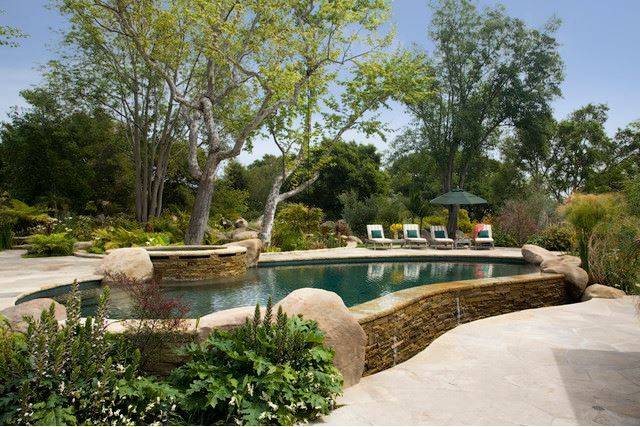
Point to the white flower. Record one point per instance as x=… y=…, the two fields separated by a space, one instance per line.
x=272 y=405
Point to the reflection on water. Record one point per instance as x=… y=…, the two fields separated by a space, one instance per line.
x=355 y=283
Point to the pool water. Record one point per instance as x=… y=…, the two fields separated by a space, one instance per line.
x=354 y=282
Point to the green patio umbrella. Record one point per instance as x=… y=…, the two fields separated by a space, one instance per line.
x=457 y=196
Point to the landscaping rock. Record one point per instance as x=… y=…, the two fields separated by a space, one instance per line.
x=80 y=246
x=342 y=331
x=574 y=275
x=571 y=259
x=131 y=263
x=535 y=254
x=602 y=291
x=254 y=248
x=15 y=315
x=224 y=320
x=240 y=223
x=354 y=239
x=243 y=234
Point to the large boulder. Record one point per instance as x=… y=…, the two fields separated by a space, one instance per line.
x=129 y=263
x=601 y=291
x=342 y=331
x=240 y=223
x=573 y=274
x=243 y=234
x=535 y=254
x=571 y=259
x=224 y=320
x=254 y=248
x=15 y=315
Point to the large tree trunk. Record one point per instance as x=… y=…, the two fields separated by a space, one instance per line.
x=270 y=208
x=200 y=213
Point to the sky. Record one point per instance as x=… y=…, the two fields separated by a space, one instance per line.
x=600 y=46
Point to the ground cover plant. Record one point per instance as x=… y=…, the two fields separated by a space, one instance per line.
x=259 y=373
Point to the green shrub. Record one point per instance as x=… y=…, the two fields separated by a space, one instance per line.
x=585 y=211
x=555 y=238
x=76 y=373
x=614 y=254
x=43 y=245
x=175 y=224
x=22 y=217
x=294 y=226
x=6 y=236
x=112 y=238
x=502 y=239
x=80 y=227
x=260 y=373
x=442 y=217
x=357 y=213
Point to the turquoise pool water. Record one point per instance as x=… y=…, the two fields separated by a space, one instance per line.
x=354 y=282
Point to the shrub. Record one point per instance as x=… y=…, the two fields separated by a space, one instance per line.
x=293 y=224
x=584 y=212
x=42 y=245
x=357 y=213
x=614 y=254
x=22 y=217
x=6 y=236
x=112 y=238
x=260 y=373
x=442 y=217
x=160 y=319
x=80 y=227
x=76 y=373
x=555 y=238
x=175 y=224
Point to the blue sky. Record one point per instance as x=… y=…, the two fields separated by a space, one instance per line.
x=600 y=45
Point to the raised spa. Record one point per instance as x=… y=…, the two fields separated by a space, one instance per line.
x=355 y=282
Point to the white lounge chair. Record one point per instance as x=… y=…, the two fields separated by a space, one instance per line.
x=411 y=234
x=483 y=238
x=440 y=237
x=375 y=236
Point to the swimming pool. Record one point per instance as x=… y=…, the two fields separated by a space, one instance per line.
x=355 y=282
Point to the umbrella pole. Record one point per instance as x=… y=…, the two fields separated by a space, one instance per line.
x=452 y=223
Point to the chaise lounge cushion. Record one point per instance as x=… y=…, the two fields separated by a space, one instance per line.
x=376 y=234
x=439 y=234
x=412 y=234
x=483 y=234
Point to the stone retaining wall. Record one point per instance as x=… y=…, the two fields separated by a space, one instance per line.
x=198 y=268
x=401 y=324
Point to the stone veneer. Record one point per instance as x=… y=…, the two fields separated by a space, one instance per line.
x=401 y=324
x=190 y=263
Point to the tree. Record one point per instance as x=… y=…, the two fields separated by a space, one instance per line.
x=99 y=68
x=9 y=34
x=249 y=59
x=371 y=83
x=350 y=167
x=67 y=161
x=492 y=71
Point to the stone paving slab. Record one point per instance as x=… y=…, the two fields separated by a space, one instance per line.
x=566 y=365
x=19 y=275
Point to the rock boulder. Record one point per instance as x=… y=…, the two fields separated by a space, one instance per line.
x=535 y=254
x=342 y=331
x=131 y=263
x=240 y=223
x=224 y=320
x=243 y=234
x=15 y=315
x=254 y=248
x=573 y=274
x=601 y=291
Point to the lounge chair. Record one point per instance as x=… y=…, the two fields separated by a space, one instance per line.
x=375 y=236
x=439 y=237
x=411 y=234
x=482 y=236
